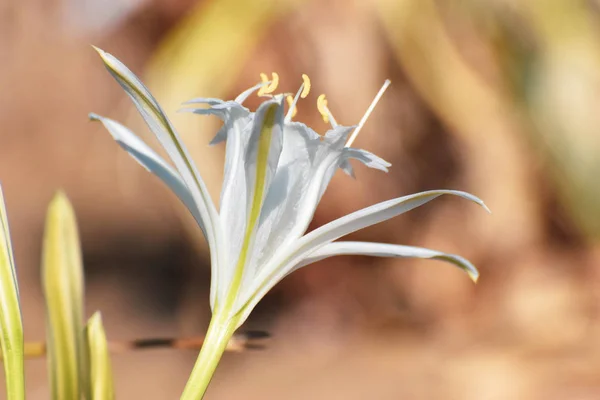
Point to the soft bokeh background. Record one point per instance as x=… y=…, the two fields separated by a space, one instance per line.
x=497 y=97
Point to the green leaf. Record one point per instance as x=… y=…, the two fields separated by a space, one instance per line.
x=62 y=276
x=11 y=326
x=101 y=381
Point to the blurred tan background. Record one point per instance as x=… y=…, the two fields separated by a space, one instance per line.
x=498 y=97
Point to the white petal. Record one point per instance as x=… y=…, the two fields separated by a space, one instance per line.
x=305 y=165
x=159 y=124
x=234 y=116
x=152 y=162
x=338 y=136
x=293 y=254
x=367 y=158
x=387 y=250
x=373 y=215
x=205 y=100
x=250 y=168
x=305 y=169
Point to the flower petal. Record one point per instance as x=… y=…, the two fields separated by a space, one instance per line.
x=286 y=260
x=211 y=101
x=235 y=117
x=305 y=166
x=160 y=125
x=152 y=162
x=249 y=172
x=387 y=250
x=373 y=215
x=305 y=169
x=367 y=158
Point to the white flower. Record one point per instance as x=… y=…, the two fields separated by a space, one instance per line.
x=276 y=172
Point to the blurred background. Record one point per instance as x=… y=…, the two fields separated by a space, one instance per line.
x=499 y=97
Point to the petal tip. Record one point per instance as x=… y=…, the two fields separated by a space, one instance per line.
x=474 y=275
x=98 y=49
x=486 y=208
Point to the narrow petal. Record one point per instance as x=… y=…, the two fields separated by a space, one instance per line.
x=205 y=100
x=160 y=125
x=235 y=117
x=387 y=250
x=152 y=162
x=367 y=158
x=168 y=137
x=373 y=215
x=285 y=261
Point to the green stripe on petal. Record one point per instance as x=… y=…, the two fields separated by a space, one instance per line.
x=11 y=325
x=62 y=280
x=261 y=159
x=161 y=127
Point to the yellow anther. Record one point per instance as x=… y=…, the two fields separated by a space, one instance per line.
x=274 y=83
x=270 y=88
x=322 y=107
x=264 y=79
x=306 y=89
x=290 y=101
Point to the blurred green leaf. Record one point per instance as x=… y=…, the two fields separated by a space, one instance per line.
x=563 y=98
x=101 y=381
x=62 y=277
x=11 y=326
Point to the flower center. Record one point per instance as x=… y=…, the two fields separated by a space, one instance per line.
x=270 y=86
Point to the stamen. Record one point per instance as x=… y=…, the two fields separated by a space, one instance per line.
x=293 y=110
x=368 y=113
x=306 y=84
x=322 y=107
x=270 y=88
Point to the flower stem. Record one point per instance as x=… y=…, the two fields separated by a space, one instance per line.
x=220 y=330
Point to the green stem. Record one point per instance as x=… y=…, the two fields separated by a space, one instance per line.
x=220 y=330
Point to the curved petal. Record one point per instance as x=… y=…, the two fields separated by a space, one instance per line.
x=387 y=250
x=235 y=118
x=288 y=258
x=160 y=125
x=152 y=162
x=367 y=158
x=373 y=215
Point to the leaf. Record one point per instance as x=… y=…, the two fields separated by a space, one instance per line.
x=11 y=325
x=62 y=279
x=101 y=381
